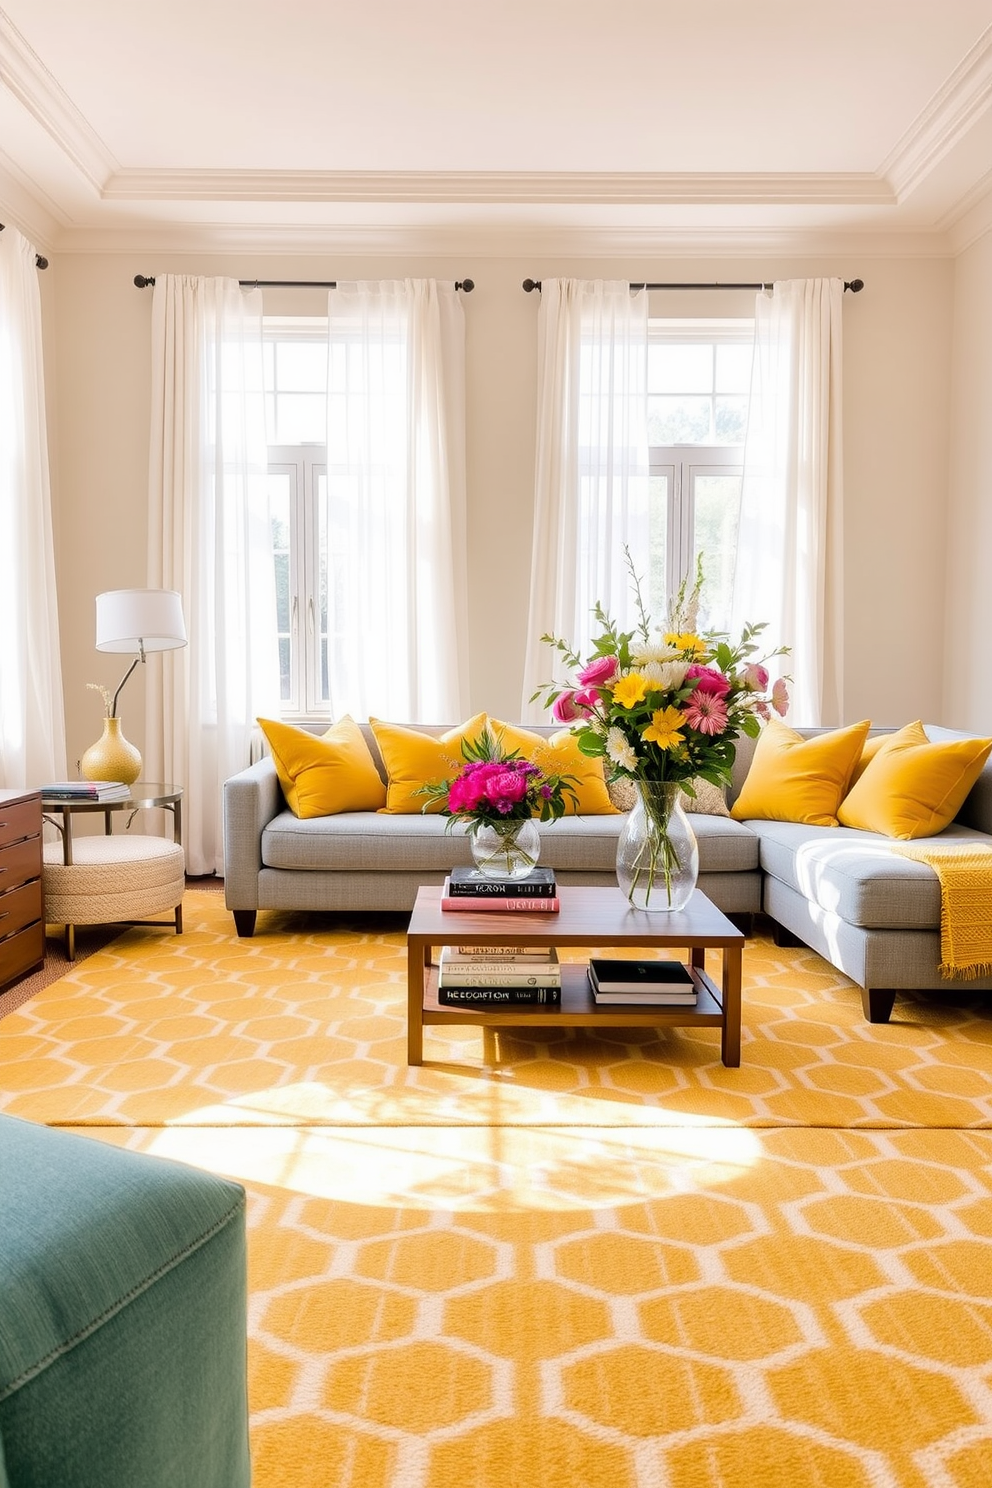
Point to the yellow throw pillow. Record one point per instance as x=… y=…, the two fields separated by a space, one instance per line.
x=322 y=775
x=413 y=759
x=799 y=780
x=560 y=755
x=912 y=787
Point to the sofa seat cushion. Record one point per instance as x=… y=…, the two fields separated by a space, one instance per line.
x=362 y=841
x=859 y=876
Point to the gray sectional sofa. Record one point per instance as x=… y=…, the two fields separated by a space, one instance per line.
x=870 y=912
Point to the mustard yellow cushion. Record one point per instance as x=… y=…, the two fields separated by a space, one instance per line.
x=559 y=754
x=799 y=780
x=322 y=775
x=868 y=753
x=912 y=787
x=413 y=759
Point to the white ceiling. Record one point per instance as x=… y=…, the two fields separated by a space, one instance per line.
x=590 y=125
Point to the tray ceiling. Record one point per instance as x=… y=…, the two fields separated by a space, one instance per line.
x=642 y=124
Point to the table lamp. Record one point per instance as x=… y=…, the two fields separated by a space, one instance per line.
x=139 y=621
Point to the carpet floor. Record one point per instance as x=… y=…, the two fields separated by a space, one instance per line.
x=593 y=1260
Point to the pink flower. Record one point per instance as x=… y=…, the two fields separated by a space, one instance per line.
x=565 y=709
x=705 y=712
x=600 y=671
x=708 y=679
x=755 y=677
x=762 y=709
x=506 y=790
x=588 y=699
x=780 y=698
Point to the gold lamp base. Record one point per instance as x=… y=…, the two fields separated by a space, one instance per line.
x=111 y=757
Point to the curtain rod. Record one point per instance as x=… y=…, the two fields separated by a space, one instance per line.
x=143 y=280
x=854 y=285
x=39 y=262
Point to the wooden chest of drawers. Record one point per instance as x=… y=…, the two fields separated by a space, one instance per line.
x=22 y=912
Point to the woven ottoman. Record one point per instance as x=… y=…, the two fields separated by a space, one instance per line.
x=111 y=879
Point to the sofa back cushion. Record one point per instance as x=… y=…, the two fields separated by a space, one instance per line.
x=559 y=754
x=414 y=757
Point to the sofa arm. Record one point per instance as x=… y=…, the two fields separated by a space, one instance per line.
x=251 y=799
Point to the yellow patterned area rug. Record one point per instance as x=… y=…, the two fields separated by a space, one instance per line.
x=569 y=1307
x=306 y=1025
x=596 y=1261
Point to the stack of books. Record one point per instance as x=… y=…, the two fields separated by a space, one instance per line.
x=87 y=790
x=493 y=976
x=636 y=982
x=468 y=890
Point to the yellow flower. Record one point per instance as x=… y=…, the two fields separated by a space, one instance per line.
x=663 y=729
x=630 y=690
x=684 y=641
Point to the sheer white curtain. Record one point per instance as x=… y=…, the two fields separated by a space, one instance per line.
x=397 y=611
x=210 y=539
x=591 y=485
x=32 y=723
x=789 y=554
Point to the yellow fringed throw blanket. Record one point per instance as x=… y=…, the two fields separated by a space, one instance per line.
x=965 y=875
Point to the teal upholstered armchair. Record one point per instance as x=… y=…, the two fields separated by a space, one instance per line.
x=122 y=1318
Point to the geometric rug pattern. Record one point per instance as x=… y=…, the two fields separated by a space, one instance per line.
x=573 y=1259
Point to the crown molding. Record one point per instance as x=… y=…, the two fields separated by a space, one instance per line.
x=952 y=111
x=28 y=79
x=21 y=207
x=489 y=240
x=589 y=188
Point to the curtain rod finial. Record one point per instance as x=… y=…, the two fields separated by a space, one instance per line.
x=142 y=281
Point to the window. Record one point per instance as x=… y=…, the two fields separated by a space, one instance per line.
x=699 y=375
x=296 y=429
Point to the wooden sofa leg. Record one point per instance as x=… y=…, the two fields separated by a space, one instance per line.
x=877 y=1003
x=783 y=937
x=244 y=921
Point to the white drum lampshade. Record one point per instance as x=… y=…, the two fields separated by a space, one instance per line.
x=139 y=620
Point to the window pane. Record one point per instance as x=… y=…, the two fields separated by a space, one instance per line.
x=656 y=597
x=678 y=420
x=301 y=418
x=716 y=512
x=733 y=367
x=285 y=692
x=675 y=367
x=301 y=366
x=730 y=419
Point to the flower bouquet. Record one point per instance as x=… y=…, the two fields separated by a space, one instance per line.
x=498 y=795
x=663 y=707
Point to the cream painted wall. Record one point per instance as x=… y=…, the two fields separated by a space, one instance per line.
x=896 y=370
x=967 y=700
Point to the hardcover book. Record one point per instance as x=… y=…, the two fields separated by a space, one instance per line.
x=639 y=976
x=499 y=996
x=498 y=903
x=540 y=883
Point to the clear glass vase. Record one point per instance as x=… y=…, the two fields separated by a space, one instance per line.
x=657 y=855
x=505 y=850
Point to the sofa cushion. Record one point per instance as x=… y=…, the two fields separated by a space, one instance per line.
x=413 y=758
x=322 y=775
x=859 y=876
x=911 y=787
x=795 y=779
x=560 y=755
x=379 y=841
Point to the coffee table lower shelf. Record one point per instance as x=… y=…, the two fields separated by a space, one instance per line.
x=577 y=1008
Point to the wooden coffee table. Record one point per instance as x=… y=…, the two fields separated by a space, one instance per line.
x=600 y=918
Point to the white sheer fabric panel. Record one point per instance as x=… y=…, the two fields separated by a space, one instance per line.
x=397 y=607
x=591 y=484
x=32 y=721
x=209 y=538
x=790 y=547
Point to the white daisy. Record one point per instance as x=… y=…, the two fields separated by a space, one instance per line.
x=665 y=674
x=643 y=653
x=620 y=750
